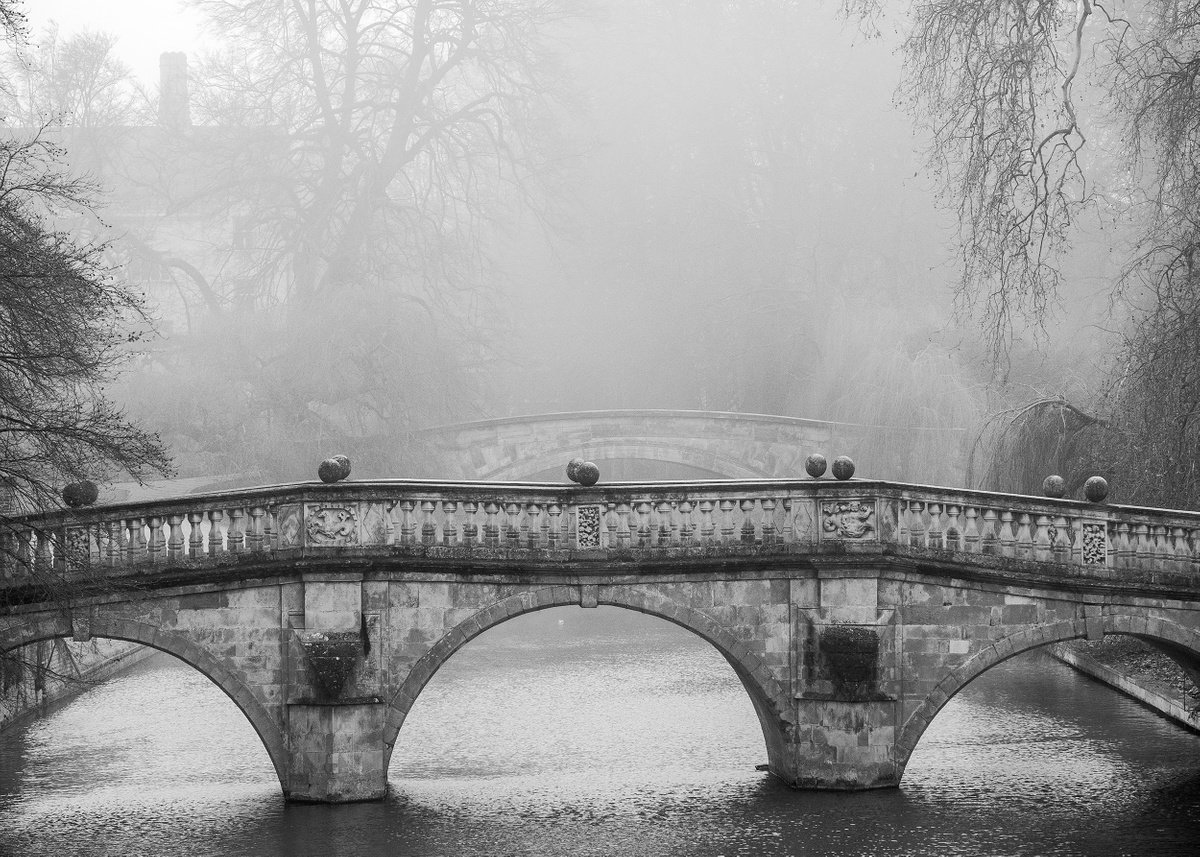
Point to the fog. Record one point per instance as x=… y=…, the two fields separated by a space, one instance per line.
x=686 y=205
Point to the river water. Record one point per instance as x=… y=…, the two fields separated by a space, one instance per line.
x=604 y=734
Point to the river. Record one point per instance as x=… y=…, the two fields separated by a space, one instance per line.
x=604 y=735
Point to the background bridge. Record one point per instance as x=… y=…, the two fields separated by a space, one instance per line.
x=851 y=611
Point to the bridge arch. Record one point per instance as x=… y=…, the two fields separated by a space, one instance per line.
x=770 y=701
x=173 y=643
x=1176 y=640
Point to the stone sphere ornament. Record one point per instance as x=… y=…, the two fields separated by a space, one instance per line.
x=73 y=495
x=89 y=492
x=344 y=464
x=330 y=470
x=588 y=474
x=1054 y=486
x=843 y=467
x=573 y=469
x=1096 y=489
x=815 y=465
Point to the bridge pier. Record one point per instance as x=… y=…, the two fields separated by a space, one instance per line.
x=844 y=745
x=336 y=753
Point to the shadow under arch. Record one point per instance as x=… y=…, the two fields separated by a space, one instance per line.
x=675 y=452
x=173 y=644
x=1174 y=639
x=766 y=694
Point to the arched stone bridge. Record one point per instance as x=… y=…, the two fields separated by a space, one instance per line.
x=706 y=443
x=851 y=611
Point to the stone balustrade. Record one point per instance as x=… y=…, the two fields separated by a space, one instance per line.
x=555 y=523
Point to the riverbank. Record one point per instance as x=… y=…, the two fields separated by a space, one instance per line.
x=1138 y=670
x=42 y=676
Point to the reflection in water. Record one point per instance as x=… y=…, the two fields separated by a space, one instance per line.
x=604 y=736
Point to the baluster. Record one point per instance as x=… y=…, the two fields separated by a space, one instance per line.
x=1060 y=545
x=643 y=511
x=428 y=522
x=554 y=535
x=624 y=533
x=1159 y=536
x=727 y=528
x=44 y=553
x=216 y=540
x=196 y=535
x=953 y=533
x=254 y=532
x=933 y=534
x=450 y=535
x=491 y=526
x=1024 y=535
x=271 y=529
x=408 y=522
x=175 y=540
x=707 y=528
x=676 y=525
x=1144 y=557
x=971 y=536
x=1041 y=537
x=664 y=523
x=470 y=523
x=612 y=526
x=1119 y=545
x=687 y=522
x=1179 y=549
x=1127 y=550
x=533 y=525
x=788 y=532
x=747 y=530
x=903 y=514
x=235 y=537
x=112 y=544
x=916 y=526
x=513 y=528
x=989 y=537
x=1008 y=538
x=769 y=536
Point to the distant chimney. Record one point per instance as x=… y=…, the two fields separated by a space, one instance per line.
x=173 y=90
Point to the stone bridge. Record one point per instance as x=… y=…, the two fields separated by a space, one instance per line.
x=701 y=444
x=850 y=610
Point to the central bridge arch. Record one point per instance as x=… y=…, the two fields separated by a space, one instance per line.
x=770 y=700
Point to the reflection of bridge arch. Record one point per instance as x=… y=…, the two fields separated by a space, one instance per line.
x=725 y=445
x=1179 y=642
x=173 y=643
x=771 y=702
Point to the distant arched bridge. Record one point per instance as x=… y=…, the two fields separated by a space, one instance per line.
x=702 y=444
x=851 y=611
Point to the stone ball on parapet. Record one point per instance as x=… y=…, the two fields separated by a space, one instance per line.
x=73 y=494
x=344 y=464
x=330 y=470
x=573 y=469
x=843 y=467
x=1054 y=486
x=1096 y=489
x=90 y=492
x=587 y=474
x=815 y=465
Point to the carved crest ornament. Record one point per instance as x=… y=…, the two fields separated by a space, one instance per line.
x=331 y=526
x=848 y=519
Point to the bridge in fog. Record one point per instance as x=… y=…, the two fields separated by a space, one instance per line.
x=850 y=610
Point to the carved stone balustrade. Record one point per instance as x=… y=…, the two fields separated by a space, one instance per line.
x=536 y=525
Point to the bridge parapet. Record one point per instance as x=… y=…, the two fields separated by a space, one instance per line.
x=542 y=525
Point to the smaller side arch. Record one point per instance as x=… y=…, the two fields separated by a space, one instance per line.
x=770 y=701
x=1152 y=630
x=173 y=643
